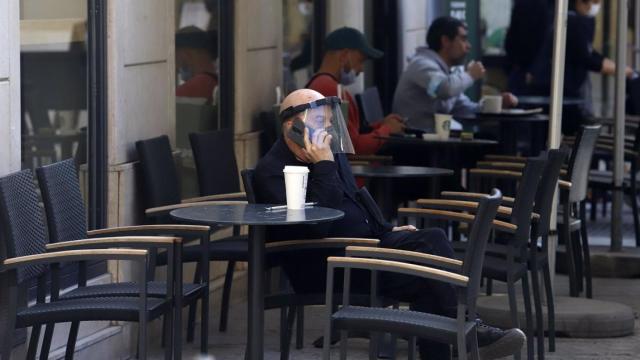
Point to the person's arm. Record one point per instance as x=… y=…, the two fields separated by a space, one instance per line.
x=464 y=106
x=443 y=86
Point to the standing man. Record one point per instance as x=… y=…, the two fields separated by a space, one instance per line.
x=429 y=85
x=346 y=51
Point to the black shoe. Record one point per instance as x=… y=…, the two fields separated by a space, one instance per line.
x=495 y=343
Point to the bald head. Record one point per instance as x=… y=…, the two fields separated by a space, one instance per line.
x=299 y=97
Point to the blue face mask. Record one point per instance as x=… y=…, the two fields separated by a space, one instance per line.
x=348 y=78
x=184 y=73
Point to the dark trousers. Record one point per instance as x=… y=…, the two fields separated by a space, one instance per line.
x=307 y=273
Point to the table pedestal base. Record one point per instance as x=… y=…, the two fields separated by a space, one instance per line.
x=575 y=317
x=624 y=264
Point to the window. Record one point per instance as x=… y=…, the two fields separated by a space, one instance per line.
x=297 y=43
x=494 y=22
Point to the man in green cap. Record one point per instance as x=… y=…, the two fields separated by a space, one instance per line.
x=346 y=51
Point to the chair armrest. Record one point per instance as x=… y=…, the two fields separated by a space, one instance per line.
x=228 y=196
x=509 y=158
x=500 y=165
x=163 y=210
x=398 y=267
x=454 y=216
x=502 y=174
x=74 y=255
x=178 y=230
x=404 y=255
x=565 y=185
x=324 y=243
x=471 y=196
x=110 y=242
x=459 y=205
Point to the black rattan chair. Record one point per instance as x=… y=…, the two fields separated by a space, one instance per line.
x=66 y=219
x=25 y=259
x=513 y=265
x=465 y=275
x=162 y=194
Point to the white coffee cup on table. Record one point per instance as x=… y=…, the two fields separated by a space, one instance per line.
x=491 y=104
x=443 y=125
x=295 y=180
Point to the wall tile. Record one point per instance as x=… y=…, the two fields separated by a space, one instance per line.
x=264 y=23
x=145 y=30
x=4 y=39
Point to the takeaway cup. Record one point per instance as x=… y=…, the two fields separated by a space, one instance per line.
x=492 y=104
x=442 y=123
x=295 y=180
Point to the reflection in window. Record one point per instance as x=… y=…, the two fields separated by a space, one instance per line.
x=494 y=21
x=197 y=80
x=53 y=60
x=296 y=50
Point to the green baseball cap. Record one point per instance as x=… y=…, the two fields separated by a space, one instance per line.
x=350 y=38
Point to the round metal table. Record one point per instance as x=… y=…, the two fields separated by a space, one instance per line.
x=258 y=218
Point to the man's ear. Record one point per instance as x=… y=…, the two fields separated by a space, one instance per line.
x=444 y=41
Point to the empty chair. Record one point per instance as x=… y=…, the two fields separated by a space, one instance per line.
x=371 y=105
x=26 y=259
x=66 y=220
x=162 y=194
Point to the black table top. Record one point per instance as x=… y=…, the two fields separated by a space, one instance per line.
x=455 y=142
x=504 y=118
x=546 y=100
x=253 y=214
x=399 y=171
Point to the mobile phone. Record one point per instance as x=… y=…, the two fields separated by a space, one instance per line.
x=296 y=133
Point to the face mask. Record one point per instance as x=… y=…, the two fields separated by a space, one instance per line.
x=348 y=78
x=305 y=8
x=595 y=9
x=185 y=74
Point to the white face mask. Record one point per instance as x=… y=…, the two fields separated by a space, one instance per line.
x=595 y=9
x=305 y=8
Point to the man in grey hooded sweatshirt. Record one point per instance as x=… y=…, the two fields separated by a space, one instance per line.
x=429 y=85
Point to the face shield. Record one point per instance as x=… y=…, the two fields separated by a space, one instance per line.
x=320 y=118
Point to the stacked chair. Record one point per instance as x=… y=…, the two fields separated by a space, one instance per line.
x=464 y=275
x=27 y=256
x=511 y=263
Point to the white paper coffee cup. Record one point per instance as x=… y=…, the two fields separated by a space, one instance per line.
x=295 y=180
x=491 y=104
x=443 y=124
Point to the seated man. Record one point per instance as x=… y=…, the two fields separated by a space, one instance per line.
x=428 y=85
x=346 y=51
x=331 y=184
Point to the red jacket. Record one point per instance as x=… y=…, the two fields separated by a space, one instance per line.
x=364 y=144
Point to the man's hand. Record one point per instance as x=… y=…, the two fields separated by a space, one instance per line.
x=404 y=228
x=509 y=100
x=320 y=148
x=475 y=69
x=395 y=123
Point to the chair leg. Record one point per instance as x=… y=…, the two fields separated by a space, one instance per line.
x=537 y=302
x=475 y=351
x=513 y=307
x=489 y=287
x=46 y=342
x=343 y=344
x=551 y=307
x=226 y=294
x=300 y=327
x=577 y=251
x=586 y=252
x=411 y=351
x=573 y=289
x=33 y=342
x=285 y=347
x=528 y=316
x=71 y=341
x=191 y=319
x=634 y=207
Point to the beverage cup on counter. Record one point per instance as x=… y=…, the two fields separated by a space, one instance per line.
x=295 y=180
x=491 y=104
x=443 y=124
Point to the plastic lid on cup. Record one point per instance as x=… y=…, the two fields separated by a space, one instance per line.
x=296 y=169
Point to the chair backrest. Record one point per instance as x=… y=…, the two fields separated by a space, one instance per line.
x=215 y=162
x=161 y=185
x=580 y=161
x=371 y=105
x=547 y=189
x=22 y=222
x=525 y=198
x=478 y=237
x=247 y=181
x=62 y=198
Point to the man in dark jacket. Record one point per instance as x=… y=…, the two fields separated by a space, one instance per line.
x=331 y=184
